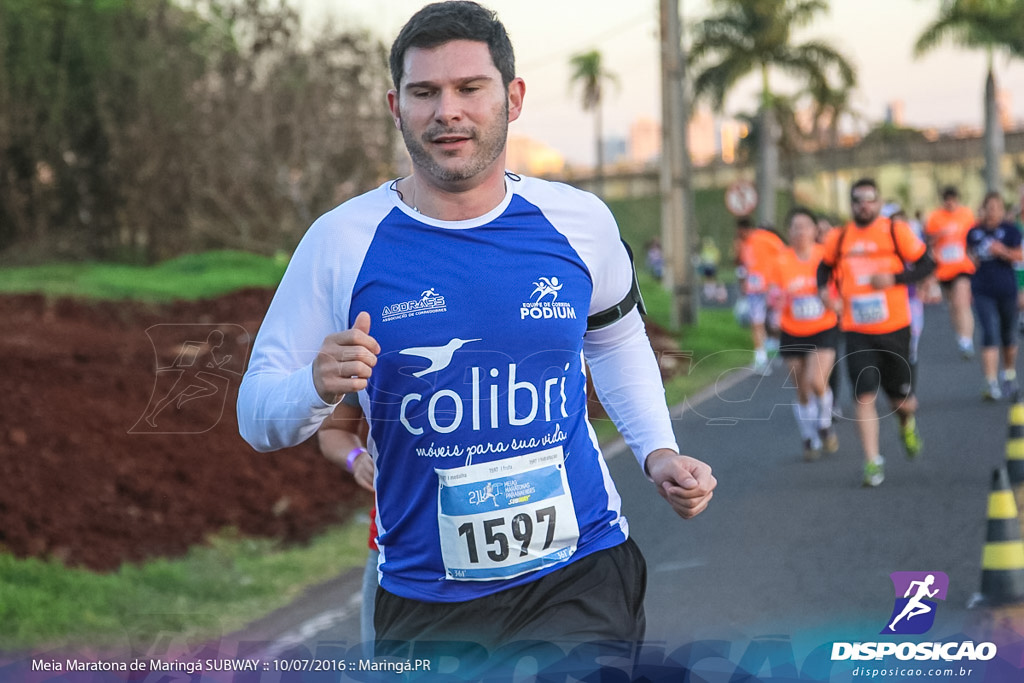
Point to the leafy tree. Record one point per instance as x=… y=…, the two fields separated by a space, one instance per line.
x=989 y=25
x=144 y=128
x=792 y=142
x=831 y=104
x=589 y=73
x=755 y=36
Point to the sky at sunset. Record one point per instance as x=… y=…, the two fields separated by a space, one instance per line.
x=942 y=89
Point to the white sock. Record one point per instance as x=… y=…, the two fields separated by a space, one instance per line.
x=825 y=409
x=760 y=356
x=806 y=419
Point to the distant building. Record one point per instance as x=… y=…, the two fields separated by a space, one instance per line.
x=1004 y=103
x=644 y=141
x=703 y=132
x=894 y=113
x=615 y=150
x=533 y=157
x=703 y=141
x=731 y=132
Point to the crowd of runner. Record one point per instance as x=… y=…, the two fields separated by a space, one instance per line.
x=854 y=295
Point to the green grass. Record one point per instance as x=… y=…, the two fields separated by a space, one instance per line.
x=714 y=346
x=193 y=276
x=214 y=590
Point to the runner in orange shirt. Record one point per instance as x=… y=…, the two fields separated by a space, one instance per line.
x=946 y=234
x=866 y=259
x=756 y=251
x=810 y=330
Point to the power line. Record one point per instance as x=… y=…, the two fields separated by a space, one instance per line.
x=616 y=31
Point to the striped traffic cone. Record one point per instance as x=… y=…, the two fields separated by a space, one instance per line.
x=1002 y=561
x=1015 y=445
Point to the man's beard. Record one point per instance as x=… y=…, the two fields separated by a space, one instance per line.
x=864 y=222
x=490 y=143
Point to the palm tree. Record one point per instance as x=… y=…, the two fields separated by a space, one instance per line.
x=588 y=70
x=831 y=105
x=753 y=36
x=989 y=25
x=791 y=141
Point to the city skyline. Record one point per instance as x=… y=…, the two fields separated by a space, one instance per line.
x=942 y=90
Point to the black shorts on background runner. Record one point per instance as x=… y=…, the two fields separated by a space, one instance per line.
x=880 y=360
x=791 y=346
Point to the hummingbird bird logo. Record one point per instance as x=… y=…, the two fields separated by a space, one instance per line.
x=440 y=357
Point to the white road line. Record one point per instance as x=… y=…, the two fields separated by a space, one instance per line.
x=308 y=630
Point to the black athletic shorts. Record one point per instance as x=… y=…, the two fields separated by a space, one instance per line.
x=947 y=284
x=599 y=597
x=791 y=346
x=879 y=360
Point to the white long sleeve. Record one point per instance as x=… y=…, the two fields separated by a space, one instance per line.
x=278 y=405
x=628 y=382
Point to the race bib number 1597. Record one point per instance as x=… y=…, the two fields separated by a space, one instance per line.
x=500 y=519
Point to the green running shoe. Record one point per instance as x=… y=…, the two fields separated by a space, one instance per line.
x=911 y=437
x=874 y=472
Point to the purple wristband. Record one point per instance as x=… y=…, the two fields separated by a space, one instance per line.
x=352 y=455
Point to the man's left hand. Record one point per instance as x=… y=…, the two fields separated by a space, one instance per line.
x=686 y=483
x=883 y=280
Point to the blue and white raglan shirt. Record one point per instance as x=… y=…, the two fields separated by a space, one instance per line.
x=488 y=471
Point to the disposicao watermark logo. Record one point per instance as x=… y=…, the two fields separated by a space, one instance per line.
x=916 y=592
x=913 y=613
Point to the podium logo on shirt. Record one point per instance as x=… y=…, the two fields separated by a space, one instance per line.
x=540 y=308
x=429 y=302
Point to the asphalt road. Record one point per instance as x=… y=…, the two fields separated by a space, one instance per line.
x=789 y=551
x=801 y=549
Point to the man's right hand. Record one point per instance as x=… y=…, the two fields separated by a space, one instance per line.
x=345 y=361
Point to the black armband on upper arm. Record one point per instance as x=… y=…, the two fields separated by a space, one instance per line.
x=824 y=274
x=918 y=270
x=618 y=311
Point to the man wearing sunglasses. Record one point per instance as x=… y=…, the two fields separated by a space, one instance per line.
x=871 y=260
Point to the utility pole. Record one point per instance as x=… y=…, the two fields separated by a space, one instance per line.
x=678 y=220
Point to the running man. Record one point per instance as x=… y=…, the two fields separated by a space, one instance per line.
x=756 y=252
x=995 y=245
x=810 y=330
x=915 y=606
x=195 y=363
x=945 y=233
x=867 y=260
x=496 y=389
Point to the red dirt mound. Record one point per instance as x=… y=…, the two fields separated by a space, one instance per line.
x=118 y=436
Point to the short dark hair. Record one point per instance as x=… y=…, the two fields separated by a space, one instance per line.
x=744 y=223
x=950 y=192
x=993 y=195
x=864 y=182
x=441 y=22
x=800 y=211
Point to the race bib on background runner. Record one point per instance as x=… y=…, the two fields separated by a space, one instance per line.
x=951 y=253
x=501 y=519
x=807 y=308
x=869 y=309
